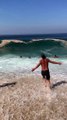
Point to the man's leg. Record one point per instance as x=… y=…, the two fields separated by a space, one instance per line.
x=48 y=79
x=48 y=83
x=45 y=82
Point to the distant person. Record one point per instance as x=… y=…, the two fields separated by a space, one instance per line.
x=56 y=56
x=20 y=56
x=45 y=69
x=29 y=57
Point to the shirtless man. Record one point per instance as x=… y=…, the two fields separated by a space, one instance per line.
x=44 y=69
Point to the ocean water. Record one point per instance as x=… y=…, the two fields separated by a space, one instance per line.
x=18 y=54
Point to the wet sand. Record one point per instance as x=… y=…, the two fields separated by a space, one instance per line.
x=27 y=98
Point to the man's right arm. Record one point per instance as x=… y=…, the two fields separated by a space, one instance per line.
x=36 y=67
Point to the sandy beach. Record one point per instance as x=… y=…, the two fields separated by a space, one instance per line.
x=33 y=47
x=26 y=98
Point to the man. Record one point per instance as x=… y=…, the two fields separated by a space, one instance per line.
x=45 y=69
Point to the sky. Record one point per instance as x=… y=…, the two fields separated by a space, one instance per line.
x=33 y=16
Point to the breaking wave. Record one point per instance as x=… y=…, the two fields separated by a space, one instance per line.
x=34 y=47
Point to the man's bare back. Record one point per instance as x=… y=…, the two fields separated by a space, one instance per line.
x=44 y=64
x=45 y=68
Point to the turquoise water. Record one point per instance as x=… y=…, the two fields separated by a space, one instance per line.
x=20 y=57
x=19 y=67
x=35 y=47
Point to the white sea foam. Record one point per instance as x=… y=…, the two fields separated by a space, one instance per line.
x=21 y=66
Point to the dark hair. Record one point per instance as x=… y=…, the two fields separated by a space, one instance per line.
x=43 y=56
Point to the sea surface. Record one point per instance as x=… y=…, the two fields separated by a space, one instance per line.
x=22 y=52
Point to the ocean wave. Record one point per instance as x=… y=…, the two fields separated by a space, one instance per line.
x=50 y=39
x=34 y=47
x=35 y=40
x=5 y=42
x=60 y=40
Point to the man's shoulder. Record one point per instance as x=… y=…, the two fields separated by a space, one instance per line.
x=44 y=59
x=48 y=59
x=40 y=60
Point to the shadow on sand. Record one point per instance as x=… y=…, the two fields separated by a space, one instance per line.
x=8 y=84
x=58 y=83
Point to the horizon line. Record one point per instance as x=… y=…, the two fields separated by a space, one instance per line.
x=32 y=34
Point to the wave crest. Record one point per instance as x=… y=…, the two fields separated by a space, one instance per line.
x=5 y=42
x=34 y=47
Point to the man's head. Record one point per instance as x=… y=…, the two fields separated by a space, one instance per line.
x=43 y=56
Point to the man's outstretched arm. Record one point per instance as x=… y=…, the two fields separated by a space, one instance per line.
x=36 y=67
x=54 y=62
